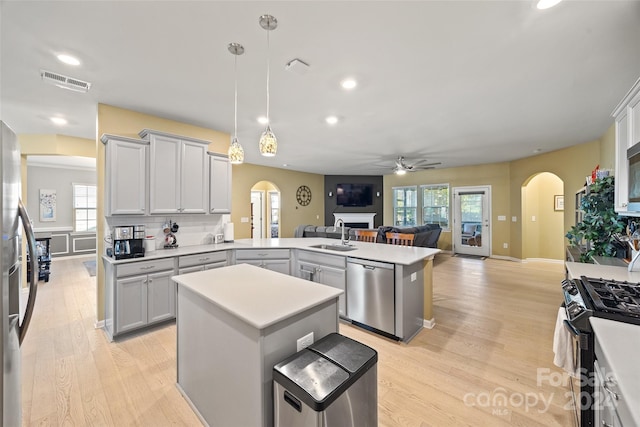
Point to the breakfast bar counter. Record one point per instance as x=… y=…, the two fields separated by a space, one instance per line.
x=233 y=325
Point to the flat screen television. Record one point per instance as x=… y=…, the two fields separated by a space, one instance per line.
x=354 y=194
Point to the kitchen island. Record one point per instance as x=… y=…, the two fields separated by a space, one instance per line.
x=139 y=293
x=233 y=325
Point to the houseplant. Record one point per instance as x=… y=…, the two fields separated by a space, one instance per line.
x=599 y=222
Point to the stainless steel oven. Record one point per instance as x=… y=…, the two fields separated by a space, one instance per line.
x=594 y=297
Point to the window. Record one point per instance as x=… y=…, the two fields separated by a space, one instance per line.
x=435 y=204
x=274 y=214
x=84 y=207
x=405 y=206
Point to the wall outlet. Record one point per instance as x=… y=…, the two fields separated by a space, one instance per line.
x=514 y=219
x=317 y=216
x=414 y=276
x=505 y=245
x=304 y=342
x=533 y=218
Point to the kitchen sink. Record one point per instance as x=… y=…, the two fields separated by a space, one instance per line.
x=339 y=248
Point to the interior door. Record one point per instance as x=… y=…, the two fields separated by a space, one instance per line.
x=257 y=208
x=472 y=220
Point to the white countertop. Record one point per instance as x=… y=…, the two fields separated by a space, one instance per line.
x=609 y=272
x=403 y=255
x=256 y=295
x=620 y=343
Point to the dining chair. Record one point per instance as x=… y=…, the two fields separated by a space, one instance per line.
x=402 y=239
x=366 y=235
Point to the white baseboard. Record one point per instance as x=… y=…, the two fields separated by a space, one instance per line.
x=505 y=258
x=99 y=324
x=551 y=261
x=429 y=324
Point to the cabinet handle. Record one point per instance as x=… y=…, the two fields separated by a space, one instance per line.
x=148 y=268
x=263 y=254
x=203 y=259
x=611 y=392
x=604 y=424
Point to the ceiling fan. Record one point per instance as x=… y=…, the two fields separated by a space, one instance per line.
x=401 y=166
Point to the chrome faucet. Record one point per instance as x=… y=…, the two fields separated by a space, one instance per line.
x=339 y=222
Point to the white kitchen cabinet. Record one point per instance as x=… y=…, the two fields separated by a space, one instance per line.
x=627 y=124
x=138 y=294
x=219 y=184
x=271 y=259
x=126 y=175
x=326 y=269
x=178 y=173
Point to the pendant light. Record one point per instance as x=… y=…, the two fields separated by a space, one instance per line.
x=268 y=142
x=236 y=152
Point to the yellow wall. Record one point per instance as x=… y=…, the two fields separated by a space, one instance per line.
x=608 y=149
x=542 y=238
x=63 y=145
x=246 y=176
x=571 y=165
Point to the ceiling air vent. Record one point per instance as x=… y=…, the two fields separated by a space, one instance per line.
x=65 y=82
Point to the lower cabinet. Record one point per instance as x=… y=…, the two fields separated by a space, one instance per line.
x=271 y=259
x=326 y=269
x=138 y=294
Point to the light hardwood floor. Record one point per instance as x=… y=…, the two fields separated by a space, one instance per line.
x=494 y=330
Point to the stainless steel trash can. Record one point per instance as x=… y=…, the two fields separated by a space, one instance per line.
x=333 y=382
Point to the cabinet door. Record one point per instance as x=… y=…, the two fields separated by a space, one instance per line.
x=213 y=265
x=220 y=184
x=336 y=278
x=161 y=297
x=634 y=119
x=194 y=178
x=131 y=308
x=164 y=165
x=187 y=270
x=279 y=265
x=126 y=164
x=621 y=194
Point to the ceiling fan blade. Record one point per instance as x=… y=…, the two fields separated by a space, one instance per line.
x=424 y=163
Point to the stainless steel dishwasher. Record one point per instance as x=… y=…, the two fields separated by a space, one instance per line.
x=371 y=294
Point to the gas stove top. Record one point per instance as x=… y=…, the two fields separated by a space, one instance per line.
x=611 y=296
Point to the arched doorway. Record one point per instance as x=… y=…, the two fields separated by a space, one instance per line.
x=265 y=210
x=543 y=217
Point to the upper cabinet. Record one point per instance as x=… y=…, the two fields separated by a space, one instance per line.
x=126 y=175
x=627 y=122
x=178 y=173
x=220 y=184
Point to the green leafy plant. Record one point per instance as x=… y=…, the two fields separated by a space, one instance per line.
x=599 y=222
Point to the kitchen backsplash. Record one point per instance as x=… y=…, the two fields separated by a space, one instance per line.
x=193 y=230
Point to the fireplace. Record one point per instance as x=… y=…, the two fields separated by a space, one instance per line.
x=356 y=220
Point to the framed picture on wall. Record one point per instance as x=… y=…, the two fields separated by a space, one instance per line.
x=47 y=205
x=558 y=202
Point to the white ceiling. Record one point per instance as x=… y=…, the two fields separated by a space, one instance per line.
x=456 y=82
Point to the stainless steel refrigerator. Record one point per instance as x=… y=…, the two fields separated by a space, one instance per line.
x=13 y=327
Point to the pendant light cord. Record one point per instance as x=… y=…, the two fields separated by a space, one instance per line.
x=268 y=72
x=235 y=100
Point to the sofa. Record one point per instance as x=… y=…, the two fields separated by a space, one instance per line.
x=425 y=235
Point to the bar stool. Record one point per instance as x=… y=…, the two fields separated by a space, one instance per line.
x=402 y=239
x=366 y=235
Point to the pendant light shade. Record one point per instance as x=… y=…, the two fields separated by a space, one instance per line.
x=236 y=152
x=268 y=143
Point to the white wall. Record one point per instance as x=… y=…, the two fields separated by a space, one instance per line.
x=61 y=180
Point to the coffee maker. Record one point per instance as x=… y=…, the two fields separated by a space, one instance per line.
x=128 y=241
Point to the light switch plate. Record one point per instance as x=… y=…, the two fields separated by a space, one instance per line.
x=244 y=219
x=502 y=218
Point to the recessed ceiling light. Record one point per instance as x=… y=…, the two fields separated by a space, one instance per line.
x=546 y=4
x=285 y=165
x=59 y=120
x=348 y=84
x=537 y=150
x=263 y=120
x=332 y=120
x=68 y=59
